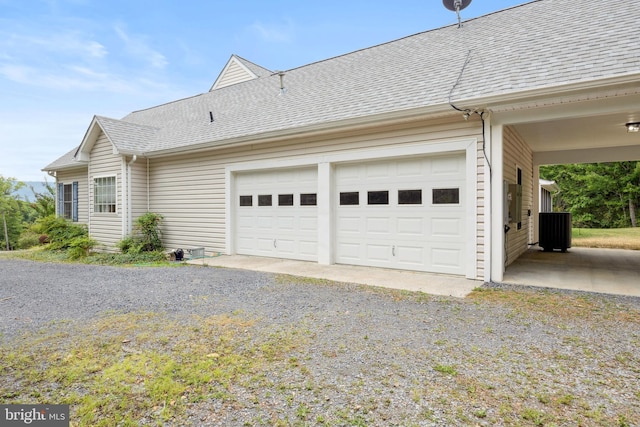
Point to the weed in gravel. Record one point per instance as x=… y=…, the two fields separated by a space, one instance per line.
x=557 y=305
x=446 y=369
x=123 y=368
x=537 y=417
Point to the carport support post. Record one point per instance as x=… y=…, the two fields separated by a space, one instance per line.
x=325 y=213
x=497 y=251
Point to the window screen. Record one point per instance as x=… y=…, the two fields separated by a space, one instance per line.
x=264 y=200
x=308 y=199
x=378 y=197
x=285 y=199
x=410 y=197
x=446 y=196
x=349 y=198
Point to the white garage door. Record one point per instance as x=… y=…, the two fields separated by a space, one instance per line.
x=406 y=214
x=276 y=213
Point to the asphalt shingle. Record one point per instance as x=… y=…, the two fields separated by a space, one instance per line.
x=538 y=45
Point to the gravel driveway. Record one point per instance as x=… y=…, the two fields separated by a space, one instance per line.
x=375 y=357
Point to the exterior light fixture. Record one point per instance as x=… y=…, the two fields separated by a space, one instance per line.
x=633 y=127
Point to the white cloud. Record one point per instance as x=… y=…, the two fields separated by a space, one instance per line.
x=72 y=43
x=274 y=33
x=137 y=46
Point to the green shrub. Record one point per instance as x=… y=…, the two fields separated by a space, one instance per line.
x=59 y=231
x=145 y=236
x=80 y=247
x=28 y=239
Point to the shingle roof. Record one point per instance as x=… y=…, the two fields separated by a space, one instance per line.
x=128 y=137
x=537 y=45
x=66 y=161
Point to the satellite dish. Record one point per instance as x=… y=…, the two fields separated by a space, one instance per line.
x=455 y=5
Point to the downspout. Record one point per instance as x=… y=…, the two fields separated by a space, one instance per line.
x=129 y=210
x=148 y=199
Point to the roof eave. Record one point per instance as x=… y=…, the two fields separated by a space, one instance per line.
x=347 y=125
x=516 y=99
x=78 y=165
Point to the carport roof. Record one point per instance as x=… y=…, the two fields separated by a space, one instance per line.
x=543 y=46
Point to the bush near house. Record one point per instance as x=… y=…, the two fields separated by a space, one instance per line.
x=146 y=236
x=61 y=235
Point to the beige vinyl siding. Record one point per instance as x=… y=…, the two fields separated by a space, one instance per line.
x=233 y=74
x=189 y=190
x=106 y=228
x=518 y=154
x=80 y=176
x=138 y=187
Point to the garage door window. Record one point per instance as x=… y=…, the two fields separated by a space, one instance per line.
x=410 y=197
x=308 y=199
x=264 y=200
x=349 y=198
x=378 y=197
x=285 y=199
x=446 y=196
x=246 y=200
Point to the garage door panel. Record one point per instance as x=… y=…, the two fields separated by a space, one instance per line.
x=378 y=226
x=284 y=229
x=410 y=255
x=264 y=244
x=446 y=260
x=379 y=170
x=349 y=251
x=350 y=224
x=379 y=253
x=245 y=243
x=285 y=223
x=410 y=168
x=309 y=223
x=308 y=248
x=447 y=227
x=416 y=235
x=410 y=226
x=448 y=166
x=285 y=247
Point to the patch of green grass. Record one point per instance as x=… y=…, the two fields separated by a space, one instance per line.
x=620 y=238
x=537 y=417
x=152 y=259
x=445 y=369
x=125 y=367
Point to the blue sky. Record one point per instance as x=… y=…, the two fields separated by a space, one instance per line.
x=64 y=61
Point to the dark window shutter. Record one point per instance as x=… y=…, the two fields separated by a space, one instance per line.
x=75 y=201
x=60 y=199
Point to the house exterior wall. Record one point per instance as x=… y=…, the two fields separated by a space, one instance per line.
x=106 y=228
x=79 y=176
x=189 y=190
x=139 y=200
x=517 y=154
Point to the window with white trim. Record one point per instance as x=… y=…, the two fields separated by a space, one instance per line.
x=104 y=194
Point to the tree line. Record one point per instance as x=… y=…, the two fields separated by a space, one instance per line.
x=598 y=195
x=16 y=214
